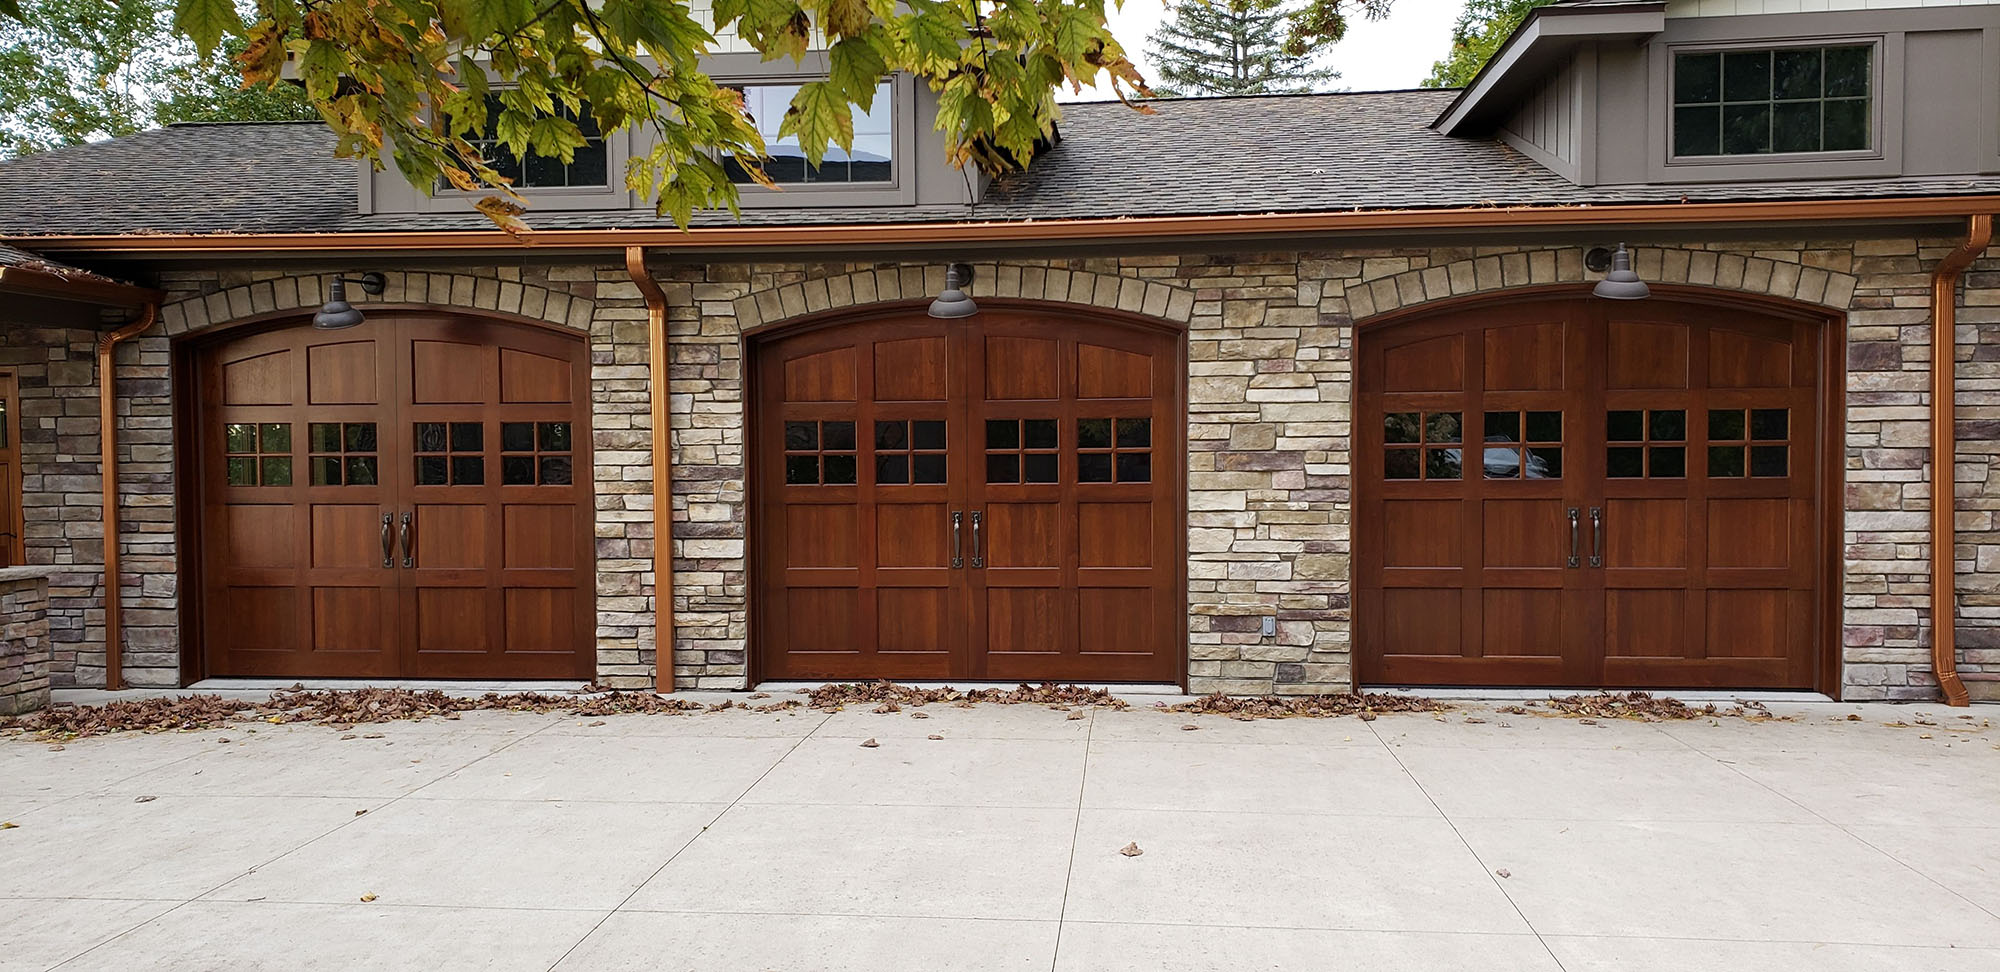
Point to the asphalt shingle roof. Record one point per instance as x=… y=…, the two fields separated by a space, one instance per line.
x=1298 y=153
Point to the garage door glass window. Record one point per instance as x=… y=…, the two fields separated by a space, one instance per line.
x=1766 y=102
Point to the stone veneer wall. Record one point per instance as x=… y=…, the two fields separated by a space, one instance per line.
x=1270 y=344
x=25 y=650
x=1270 y=387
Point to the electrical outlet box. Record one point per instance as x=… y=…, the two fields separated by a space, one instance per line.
x=1270 y=627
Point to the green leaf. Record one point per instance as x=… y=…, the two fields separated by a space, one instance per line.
x=203 y=21
x=10 y=8
x=819 y=115
x=856 y=68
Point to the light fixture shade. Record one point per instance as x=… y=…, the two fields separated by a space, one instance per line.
x=1622 y=283
x=953 y=302
x=337 y=313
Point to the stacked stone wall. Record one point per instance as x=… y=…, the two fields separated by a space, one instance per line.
x=1270 y=388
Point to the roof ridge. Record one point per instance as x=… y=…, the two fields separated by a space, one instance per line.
x=246 y=121
x=1268 y=95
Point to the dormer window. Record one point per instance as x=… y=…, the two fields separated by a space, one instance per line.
x=871 y=161
x=1773 y=101
x=589 y=168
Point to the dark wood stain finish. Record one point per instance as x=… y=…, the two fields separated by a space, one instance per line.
x=333 y=546
x=1052 y=440
x=1690 y=450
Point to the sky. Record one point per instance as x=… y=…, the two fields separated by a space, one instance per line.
x=1377 y=55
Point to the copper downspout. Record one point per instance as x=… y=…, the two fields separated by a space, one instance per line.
x=107 y=438
x=663 y=468
x=1944 y=456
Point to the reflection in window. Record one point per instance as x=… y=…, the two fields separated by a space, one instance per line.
x=535 y=453
x=1114 y=450
x=1792 y=99
x=1422 y=445
x=342 y=453
x=1532 y=446
x=870 y=160
x=257 y=453
x=450 y=453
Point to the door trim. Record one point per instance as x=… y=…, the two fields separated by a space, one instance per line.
x=751 y=340
x=1829 y=495
x=185 y=352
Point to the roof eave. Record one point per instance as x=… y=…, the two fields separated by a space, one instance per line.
x=1549 y=34
x=739 y=239
x=30 y=282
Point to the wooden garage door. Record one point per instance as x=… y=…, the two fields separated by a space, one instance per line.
x=991 y=498
x=1643 y=512
x=405 y=498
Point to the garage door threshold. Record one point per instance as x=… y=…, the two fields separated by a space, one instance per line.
x=1475 y=694
x=1150 y=690
x=453 y=686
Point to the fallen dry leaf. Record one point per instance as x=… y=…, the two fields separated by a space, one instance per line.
x=368 y=897
x=144 y=799
x=870 y=743
x=9 y=825
x=934 y=736
x=1189 y=727
x=1074 y=714
x=1131 y=849
x=1503 y=872
x=360 y=812
x=920 y=715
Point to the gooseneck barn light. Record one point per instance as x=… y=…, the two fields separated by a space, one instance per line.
x=337 y=313
x=1621 y=283
x=953 y=302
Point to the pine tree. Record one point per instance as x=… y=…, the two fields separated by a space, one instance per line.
x=1231 y=47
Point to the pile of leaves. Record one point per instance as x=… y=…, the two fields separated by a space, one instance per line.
x=1641 y=707
x=1366 y=705
x=889 y=696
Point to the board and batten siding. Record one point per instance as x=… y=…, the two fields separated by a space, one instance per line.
x=1548 y=127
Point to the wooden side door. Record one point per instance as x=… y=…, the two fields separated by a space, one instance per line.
x=494 y=534
x=1709 y=506
x=1073 y=500
x=297 y=501
x=1474 y=446
x=855 y=432
x=12 y=548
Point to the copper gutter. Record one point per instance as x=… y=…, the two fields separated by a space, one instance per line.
x=1944 y=456
x=107 y=438
x=848 y=236
x=88 y=288
x=663 y=469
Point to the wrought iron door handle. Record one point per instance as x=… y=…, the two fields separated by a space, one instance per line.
x=388 y=545
x=1574 y=529
x=977 y=559
x=957 y=520
x=1596 y=536
x=407 y=562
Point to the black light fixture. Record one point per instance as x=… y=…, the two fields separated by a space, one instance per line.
x=337 y=313
x=953 y=302
x=1621 y=283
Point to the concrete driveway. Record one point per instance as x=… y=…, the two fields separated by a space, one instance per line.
x=741 y=841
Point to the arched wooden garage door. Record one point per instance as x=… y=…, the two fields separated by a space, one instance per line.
x=1644 y=511
x=408 y=498
x=991 y=498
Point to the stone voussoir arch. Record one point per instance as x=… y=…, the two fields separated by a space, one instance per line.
x=1666 y=265
x=446 y=290
x=1135 y=295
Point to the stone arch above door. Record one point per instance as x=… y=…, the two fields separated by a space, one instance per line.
x=1133 y=295
x=1660 y=265
x=461 y=291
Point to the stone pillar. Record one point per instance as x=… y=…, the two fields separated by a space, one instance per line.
x=24 y=639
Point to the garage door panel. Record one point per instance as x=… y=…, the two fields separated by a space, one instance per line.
x=1687 y=448
x=375 y=455
x=1423 y=533
x=1433 y=364
x=1060 y=488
